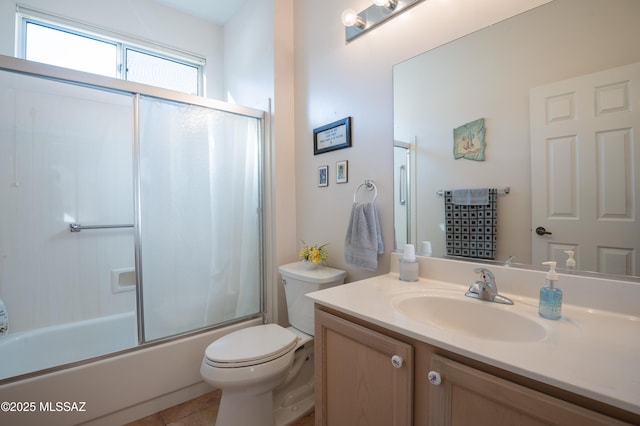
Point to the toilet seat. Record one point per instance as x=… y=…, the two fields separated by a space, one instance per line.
x=250 y=346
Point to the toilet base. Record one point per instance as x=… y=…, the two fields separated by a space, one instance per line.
x=295 y=399
x=241 y=409
x=286 y=415
x=288 y=403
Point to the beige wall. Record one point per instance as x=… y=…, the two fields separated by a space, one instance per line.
x=334 y=80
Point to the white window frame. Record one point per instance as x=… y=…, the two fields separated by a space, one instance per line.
x=123 y=43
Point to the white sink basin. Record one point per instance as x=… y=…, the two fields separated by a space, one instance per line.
x=471 y=317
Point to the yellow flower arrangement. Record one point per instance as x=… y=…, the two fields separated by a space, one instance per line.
x=315 y=254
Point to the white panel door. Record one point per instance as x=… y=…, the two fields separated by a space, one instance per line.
x=585 y=182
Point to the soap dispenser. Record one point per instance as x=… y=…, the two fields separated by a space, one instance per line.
x=550 y=297
x=571 y=262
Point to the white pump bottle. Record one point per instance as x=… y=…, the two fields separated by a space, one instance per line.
x=571 y=262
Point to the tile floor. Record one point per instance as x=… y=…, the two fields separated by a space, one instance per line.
x=201 y=411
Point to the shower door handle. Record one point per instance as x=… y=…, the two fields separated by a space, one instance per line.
x=403 y=185
x=76 y=227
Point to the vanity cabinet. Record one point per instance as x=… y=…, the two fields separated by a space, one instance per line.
x=357 y=384
x=468 y=396
x=362 y=377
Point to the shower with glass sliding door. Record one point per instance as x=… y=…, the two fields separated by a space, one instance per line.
x=127 y=215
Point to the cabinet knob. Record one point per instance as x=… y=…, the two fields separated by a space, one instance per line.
x=397 y=361
x=434 y=378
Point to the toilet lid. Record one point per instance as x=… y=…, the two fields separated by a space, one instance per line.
x=250 y=346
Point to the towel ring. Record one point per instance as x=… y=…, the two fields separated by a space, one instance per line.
x=370 y=186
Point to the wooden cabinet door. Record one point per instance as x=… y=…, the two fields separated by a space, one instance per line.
x=467 y=396
x=356 y=382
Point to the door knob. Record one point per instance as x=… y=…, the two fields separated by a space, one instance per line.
x=541 y=231
x=434 y=378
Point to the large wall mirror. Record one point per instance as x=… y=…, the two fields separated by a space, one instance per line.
x=558 y=88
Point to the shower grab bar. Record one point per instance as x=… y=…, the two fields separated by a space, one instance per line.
x=76 y=227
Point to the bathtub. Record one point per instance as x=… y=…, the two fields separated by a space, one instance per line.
x=117 y=389
x=27 y=351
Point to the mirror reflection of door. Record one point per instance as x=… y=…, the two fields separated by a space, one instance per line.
x=402 y=203
x=585 y=159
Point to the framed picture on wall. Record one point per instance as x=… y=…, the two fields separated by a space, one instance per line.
x=336 y=135
x=342 y=172
x=323 y=176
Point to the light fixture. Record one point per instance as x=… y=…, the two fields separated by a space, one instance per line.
x=381 y=10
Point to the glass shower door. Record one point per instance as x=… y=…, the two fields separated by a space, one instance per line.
x=65 y=157
x=112 y=201
x=200 y=217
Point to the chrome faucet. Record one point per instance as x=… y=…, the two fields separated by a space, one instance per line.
x=486 y=289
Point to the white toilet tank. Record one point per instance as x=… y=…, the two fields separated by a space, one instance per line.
x=298 y=280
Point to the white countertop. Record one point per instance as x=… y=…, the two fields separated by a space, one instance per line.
x=594 y=353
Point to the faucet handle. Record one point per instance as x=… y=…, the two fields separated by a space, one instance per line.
x=487 y=289
x=487 y=275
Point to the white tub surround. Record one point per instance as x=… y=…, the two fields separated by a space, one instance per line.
x=593 y=351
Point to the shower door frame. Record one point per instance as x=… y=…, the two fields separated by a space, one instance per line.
x=136 y=91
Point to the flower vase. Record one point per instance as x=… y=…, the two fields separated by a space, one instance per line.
x=309 y=265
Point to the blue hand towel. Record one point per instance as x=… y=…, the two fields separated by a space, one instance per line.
x=363 y=241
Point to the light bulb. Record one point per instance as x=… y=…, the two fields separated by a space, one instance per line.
x=351 y=19
x=389 y=4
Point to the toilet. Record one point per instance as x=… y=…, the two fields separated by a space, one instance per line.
x=265 y=372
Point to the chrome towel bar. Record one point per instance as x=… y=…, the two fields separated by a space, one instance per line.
x=76 y=227
x=502 y=191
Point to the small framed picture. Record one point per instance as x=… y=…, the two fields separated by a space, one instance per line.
x=323 y=176
x=336 y=135
x=342 y=172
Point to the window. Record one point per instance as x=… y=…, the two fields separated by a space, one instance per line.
x=63 y=45
x=64 y=49
x=162 y=72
